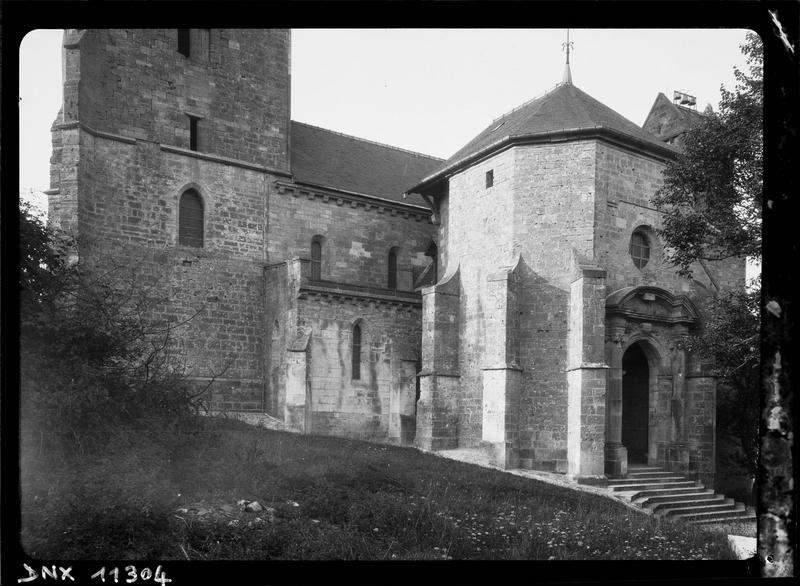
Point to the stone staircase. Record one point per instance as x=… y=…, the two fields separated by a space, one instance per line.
x=671 y=495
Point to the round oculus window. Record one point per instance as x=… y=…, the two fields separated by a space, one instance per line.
x=639 y=249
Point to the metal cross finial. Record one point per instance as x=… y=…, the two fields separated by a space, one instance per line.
x=567 y=73
x=567 y=46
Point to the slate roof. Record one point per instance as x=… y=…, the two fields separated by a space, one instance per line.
x=325 y=158
x=564 y=109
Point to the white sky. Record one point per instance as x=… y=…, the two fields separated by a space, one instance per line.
x=432 y=90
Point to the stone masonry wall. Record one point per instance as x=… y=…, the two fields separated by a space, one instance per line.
x=626 y=183
x=479 y=241
x=213 y=305
x=390 y=335
x=135 y=83
x=131 y=192
x=554 y=191
x=356 y=240
x=121 y=162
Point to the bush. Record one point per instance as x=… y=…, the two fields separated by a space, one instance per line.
x=92 y=358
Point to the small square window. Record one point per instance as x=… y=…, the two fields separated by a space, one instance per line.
x=489 y=178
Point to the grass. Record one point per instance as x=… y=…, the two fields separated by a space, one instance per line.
x=324 y=498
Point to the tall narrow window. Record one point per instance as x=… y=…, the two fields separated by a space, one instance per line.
x=392 y=268
x=316 y=259
x=200 y=44
x=193 y=132
x=184 y=42
x=356 y=352
x=489 y=178
x=190 y=219
x=433 y=253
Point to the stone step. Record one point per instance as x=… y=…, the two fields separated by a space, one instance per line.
x=748 y=518
x=653 y=485
x=668 y=492
x=646 y=480
x=655 y=501
x=723 y=505
x=734 y=514
x=654 y=474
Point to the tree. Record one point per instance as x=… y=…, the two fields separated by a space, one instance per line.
x=712 y=193
x=730 y=337
x=712 y=199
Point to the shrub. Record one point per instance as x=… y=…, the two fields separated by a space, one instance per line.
x=92 y=357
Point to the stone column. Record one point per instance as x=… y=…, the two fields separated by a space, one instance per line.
x=297 y=409
x=437 y=408
x=502 y=375
x=616 y=455
x=586 y=374
x=678 y=452
x=401 y=402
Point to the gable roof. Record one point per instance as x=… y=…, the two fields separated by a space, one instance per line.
x=325 y=158
x=563 y=110
x=668 y=120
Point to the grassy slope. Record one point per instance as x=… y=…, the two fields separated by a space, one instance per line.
x=332 y=499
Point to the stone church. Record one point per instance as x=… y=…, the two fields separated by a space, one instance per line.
x=512 y=299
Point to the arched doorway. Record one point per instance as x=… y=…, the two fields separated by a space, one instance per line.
x=635 y=401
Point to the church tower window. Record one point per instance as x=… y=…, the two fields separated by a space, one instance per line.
x=489 y=178
x=184 y=42
x=194 y=43
x=190 y=219
x=194 y=122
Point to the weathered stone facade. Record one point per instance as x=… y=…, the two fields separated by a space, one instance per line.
x=541 y=284
x=271 y=336
x=492 y=301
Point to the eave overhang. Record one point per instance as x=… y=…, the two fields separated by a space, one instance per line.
x=664 y=153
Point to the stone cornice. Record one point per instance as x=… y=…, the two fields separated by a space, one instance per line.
x=173 y=149
x=223 y=160
x=354 y=200
x=346 y=292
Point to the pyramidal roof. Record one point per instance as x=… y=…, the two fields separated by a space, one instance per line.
x=564 y=110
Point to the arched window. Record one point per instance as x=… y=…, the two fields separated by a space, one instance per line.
x=392 y=281
x=356 y=366
x=639 y=249
x=316 y=258
x=190 y=219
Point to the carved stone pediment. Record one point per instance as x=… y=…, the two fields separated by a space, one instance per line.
x=651 y=304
